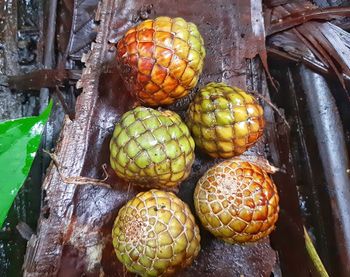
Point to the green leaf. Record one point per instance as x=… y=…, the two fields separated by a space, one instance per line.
x=19 y=142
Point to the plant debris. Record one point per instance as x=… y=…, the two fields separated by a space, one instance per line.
x=79 y=180
x=294 y=34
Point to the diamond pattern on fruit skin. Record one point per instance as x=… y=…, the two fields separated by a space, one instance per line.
x=159 y=238
x=225 y=121
x=172 y=45
x=152 y=148
x=237 y=201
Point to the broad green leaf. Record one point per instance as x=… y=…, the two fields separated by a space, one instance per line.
x=19 y=142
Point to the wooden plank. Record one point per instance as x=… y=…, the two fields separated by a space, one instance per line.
x=74 y=230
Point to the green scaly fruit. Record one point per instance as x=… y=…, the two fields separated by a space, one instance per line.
x=155 y=234
x=152 y=148
x=225 y=121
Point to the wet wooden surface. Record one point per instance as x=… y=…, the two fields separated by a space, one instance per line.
x=74 y=231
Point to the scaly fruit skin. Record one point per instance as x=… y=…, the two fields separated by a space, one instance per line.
x=155 y=234
x=152 y=148
x=225 y=121
x=237 y=201
x=160 y=60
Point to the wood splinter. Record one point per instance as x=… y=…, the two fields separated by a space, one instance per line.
x=79 y=180
x=274 y=107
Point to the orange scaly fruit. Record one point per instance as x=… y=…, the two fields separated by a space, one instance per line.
x=161 y=59
x=237 y=201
